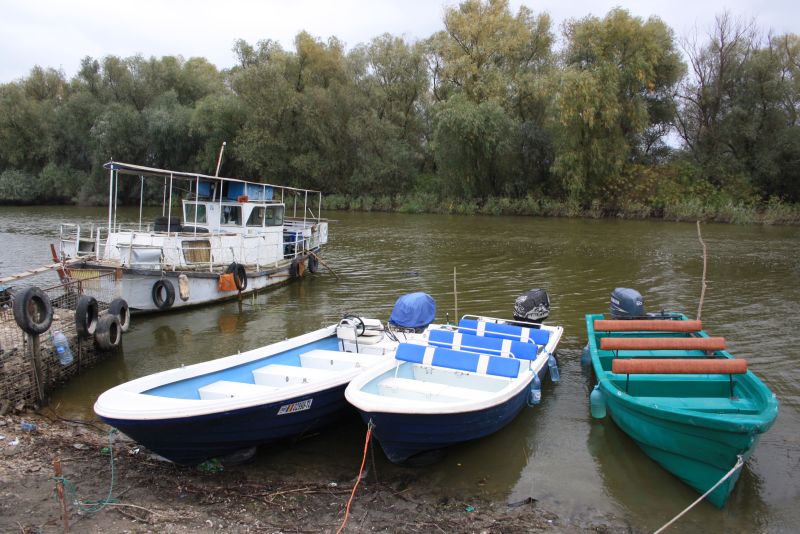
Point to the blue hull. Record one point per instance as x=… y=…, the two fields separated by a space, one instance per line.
x=192 y=440
x=405 y=435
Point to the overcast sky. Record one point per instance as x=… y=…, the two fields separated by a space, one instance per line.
x=58 y=33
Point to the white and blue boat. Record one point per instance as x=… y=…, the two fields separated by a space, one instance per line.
x=454 y=383
x=216 y=408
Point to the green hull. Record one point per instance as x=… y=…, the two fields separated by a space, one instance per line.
x=689 y=424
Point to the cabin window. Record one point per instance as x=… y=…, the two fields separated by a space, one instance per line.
x=232 y=215
x=256 y=217
x=195 y=209
x=274 y=215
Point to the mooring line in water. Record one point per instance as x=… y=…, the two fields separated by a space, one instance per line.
x=739 y=463
x=370 y=425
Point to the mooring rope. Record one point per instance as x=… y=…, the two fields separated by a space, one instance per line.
x=92 y=507
x=739 y=463
x=370 y=426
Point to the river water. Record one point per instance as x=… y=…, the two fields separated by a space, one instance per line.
x=584 y=470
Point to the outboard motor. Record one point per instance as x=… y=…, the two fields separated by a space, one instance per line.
x=626 y=303
x=532 y=306
x=414 y=311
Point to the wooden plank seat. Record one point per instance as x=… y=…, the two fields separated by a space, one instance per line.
x=483 y=345
x=226 y=389
x=459 y=360
x=646 y=325
x=421 y=390
x=662 y=343
x=679 y=366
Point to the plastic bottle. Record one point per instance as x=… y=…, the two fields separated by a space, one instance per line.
x=27 y=427
x=536 y=390
x=62 y=348
x=597 y=402
x=552 y=365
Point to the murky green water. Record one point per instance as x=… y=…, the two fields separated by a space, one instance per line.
x=582 y=469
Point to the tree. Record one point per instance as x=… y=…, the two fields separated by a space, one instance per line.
x=615 y=88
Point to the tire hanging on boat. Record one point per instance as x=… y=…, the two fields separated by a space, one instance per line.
x=33 y=311
x=163 y=294
x=108 y=335
x=239 y=275
x=119 y=307
x=86 y=316
x=294 y=270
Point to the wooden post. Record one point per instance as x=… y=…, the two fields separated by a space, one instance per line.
x=60 y=490
x=36 y=358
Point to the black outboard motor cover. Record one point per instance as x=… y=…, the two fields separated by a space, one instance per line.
x=626 y=303
x=532 y=306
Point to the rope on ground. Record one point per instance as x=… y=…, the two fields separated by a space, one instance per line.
x=92 y=507
x=705 y=264
x=739 y=463
x=370 y=425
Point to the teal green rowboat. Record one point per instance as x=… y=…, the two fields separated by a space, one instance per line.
x=680 y=396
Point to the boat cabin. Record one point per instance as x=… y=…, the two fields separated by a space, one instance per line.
x=244 y=217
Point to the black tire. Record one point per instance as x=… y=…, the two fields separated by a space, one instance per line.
x=313 y=264
x=294 y=269
x=33 y=311
x=86 y=316
x=108 y=335
x=239 y=275
x=163 y=294
x=119 y=307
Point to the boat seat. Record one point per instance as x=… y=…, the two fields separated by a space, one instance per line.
x=646 y=325
x=680 y=366
x=504 y=331
x=663 y=343
x=705 y=404
x=460 y=360
x=482 y=345
x=226 y=389
x=407 y=388
x=278 y=375
x=334 y=360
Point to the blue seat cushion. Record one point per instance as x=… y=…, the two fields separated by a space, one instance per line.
x=482 y=345
x=503 y=331
x=456 y=359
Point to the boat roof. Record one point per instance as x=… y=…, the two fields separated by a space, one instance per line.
x=141 y=170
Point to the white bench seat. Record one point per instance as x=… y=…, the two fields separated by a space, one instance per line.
x=336 y=360
x=407 y=388
x=226 y=389
x=278 y=375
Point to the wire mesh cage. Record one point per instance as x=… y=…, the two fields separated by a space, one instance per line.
x=23 y=354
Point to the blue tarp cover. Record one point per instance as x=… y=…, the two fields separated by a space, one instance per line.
x=414 y=310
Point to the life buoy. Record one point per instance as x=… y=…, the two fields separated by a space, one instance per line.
x=313 y=263
x=108 y=335
x=86 y=316
x=119 y=307
x=239 y=275
x=163 y=294
x=33 y=311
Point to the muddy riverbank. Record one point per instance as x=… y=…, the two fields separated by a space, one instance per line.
x=151 y=495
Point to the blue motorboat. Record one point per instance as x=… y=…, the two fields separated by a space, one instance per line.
x=215 y=408
x=454 y=383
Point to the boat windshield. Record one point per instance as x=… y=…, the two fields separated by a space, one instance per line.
x=195 y=210
x=231 y=215
x=256 y=217
x=274 y=215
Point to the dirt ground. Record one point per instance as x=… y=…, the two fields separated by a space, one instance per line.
x=151 y=495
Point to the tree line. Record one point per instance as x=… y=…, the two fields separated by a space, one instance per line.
x=608 y=115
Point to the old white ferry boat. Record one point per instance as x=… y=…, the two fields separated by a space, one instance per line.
x=217 y=238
